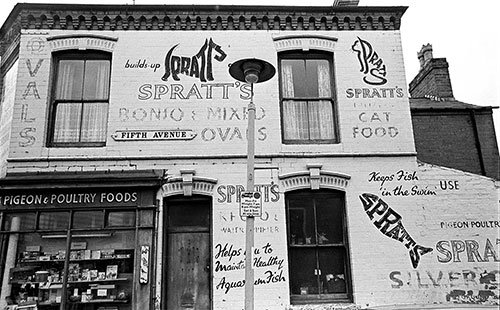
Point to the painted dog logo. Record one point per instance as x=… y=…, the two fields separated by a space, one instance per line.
x=389 y=223
x=372 y=65
x=199 y=65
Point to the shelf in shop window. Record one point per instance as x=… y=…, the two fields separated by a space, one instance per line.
x=98 y=281
x=99 y=301
x=48 y=303
x=69 y=282
x=72 y=260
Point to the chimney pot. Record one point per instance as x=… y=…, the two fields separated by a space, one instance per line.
x=425 y=54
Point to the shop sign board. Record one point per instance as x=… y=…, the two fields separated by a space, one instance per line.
x=151 y=135
x=251 y=204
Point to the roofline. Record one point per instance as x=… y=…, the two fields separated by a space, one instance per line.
x=192 y=10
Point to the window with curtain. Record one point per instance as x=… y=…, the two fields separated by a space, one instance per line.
x=307 y=105
x=80 y=99
x=317 y=246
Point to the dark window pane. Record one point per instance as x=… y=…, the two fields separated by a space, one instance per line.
x=121 y=218
x=88 y=219
x=96 y=85
x=303 y=271
x=296 y=74
x=53 y=220
x=311 y=78
x=330 y=220
x=319 y=266
x=332 y=266
x=20 y=221
x=301 y=219
x=187 y=213
x=70 y=80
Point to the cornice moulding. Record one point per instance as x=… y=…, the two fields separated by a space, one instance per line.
x=202 y=17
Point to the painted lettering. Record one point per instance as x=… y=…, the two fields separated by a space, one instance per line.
x=198 y=66
x=455 y=251
x=372 y=65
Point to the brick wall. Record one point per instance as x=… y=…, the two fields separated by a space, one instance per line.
x=432 y=80
x=448 y=138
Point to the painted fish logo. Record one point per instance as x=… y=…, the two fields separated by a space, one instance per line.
x=389 y=222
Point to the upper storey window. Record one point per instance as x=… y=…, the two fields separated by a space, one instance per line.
x=80 y=98
x=307 y=102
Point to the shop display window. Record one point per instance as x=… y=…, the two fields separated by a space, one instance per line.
x=317 y=246
x=75 y=259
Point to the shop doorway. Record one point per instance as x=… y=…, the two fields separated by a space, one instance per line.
x=188 y=250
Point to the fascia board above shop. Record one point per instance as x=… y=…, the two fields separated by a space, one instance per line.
x=94 y=179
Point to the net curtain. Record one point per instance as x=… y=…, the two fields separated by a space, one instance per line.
x=82 y=92
x=308 y=119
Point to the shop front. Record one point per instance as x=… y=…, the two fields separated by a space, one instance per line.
x=96 y=229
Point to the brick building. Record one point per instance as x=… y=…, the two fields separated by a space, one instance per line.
x=449 y=132
x=123 y=161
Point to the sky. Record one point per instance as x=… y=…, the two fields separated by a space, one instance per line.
x=466 y=33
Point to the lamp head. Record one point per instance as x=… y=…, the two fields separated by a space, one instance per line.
x=252 y=70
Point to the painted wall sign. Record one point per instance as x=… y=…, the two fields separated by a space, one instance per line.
x=472 y=286
x=375 y=124
x=404 y=178
x=229 y=258
x=232 y=193
x=198 y=65
x=84 y=198
x=389 y=222
x=148 y=135
x=374 y=93
x=470 y=224
x=372 y=65
x=470 y=250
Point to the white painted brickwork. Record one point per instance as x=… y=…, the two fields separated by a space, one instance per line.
x=214 y=110
x=432 y=202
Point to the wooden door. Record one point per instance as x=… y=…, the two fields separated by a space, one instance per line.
x=188 y=261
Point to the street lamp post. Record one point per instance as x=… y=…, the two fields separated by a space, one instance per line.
x=252 y=71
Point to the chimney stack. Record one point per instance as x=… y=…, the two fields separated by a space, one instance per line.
x=433 y=79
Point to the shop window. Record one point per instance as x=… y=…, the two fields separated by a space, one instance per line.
x=121 y=219
x=317 y=245
x=53 y=221
x=36 y=255
x=88 y=219
x=307 y=103
x=80 y=99
x=13 y=223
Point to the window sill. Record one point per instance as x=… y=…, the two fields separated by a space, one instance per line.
x=77 y=145
x=324 y=245
x=319 y=299
x=295 y=142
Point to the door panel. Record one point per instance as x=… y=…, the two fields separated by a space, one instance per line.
x=187 y=278
x=189 y=274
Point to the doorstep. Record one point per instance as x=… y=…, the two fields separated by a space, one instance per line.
x=340 y=306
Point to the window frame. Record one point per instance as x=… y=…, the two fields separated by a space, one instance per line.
x=317 y=246
x=75 y=55
x=305 y=55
